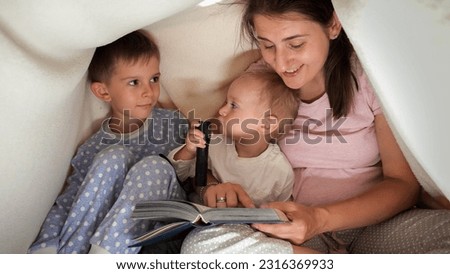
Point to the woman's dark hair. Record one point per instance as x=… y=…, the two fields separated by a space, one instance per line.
x=340 y=81
x=129 y=48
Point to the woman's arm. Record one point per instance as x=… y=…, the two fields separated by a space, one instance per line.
x=397 y=191
x=435 y=202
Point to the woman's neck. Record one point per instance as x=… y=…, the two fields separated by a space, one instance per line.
x=313 y=90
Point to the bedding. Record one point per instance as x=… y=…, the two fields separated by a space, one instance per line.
x=407 y=60
x=47 y=108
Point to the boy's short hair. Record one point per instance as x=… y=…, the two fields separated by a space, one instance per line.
x=282 y=101
x=129 y=48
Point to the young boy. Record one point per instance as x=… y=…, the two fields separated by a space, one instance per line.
x=244 y=158
x=118 y=165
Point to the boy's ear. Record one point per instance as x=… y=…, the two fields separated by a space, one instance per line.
x=269 y=124
x=100 y=91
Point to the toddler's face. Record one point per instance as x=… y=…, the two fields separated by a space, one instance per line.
x=243 y=110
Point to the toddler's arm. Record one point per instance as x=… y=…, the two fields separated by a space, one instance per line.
x=194 y=140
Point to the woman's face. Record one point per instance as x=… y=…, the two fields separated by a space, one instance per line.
x=295 y=47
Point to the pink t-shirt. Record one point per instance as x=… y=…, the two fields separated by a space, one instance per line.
x=334 y=159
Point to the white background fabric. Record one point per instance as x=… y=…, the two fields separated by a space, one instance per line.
x=404 y=47
x=47 y=110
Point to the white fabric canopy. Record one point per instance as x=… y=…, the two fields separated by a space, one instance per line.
x=46 y=47
x=404 y=46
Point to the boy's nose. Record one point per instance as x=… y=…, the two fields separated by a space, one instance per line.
x=147 y=91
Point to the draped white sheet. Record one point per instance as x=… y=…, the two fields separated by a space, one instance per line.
x=404 y=46
x=45 y=107
x=47 y=110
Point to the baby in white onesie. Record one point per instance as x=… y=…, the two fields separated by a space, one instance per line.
x=245 y=159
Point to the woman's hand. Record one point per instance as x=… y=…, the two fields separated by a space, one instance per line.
x=226 y=195
x=305 y=222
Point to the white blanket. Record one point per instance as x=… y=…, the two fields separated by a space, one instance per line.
x=404 y=46
x=47 y=110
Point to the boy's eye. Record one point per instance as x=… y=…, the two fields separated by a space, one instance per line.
x=133 y=82
x=155 y=79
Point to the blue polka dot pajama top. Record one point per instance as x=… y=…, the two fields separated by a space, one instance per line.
x=111 y=173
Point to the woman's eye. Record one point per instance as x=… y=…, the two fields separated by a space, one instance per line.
x=233 y=105
x=133 y=82
x=155 y=79
x=265 y=45
x=296 y=46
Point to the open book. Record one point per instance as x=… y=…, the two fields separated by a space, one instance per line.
x=180 y=216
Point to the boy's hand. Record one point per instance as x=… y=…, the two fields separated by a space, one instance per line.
x=227 y=195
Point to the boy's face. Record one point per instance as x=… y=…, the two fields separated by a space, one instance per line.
x=242 y=113
x=134 y=89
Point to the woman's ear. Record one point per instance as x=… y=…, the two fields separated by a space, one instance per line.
x=100 y=91
x=335 y=27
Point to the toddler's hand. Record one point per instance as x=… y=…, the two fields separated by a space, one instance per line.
x=195 y=139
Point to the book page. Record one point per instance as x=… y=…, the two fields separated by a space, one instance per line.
x=169 y=210
x=163 y=233
x=245 y=215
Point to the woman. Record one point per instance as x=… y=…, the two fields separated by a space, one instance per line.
x=354 y=190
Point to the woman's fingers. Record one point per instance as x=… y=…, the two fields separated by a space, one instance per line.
x=227 y=195
x=305 y=222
